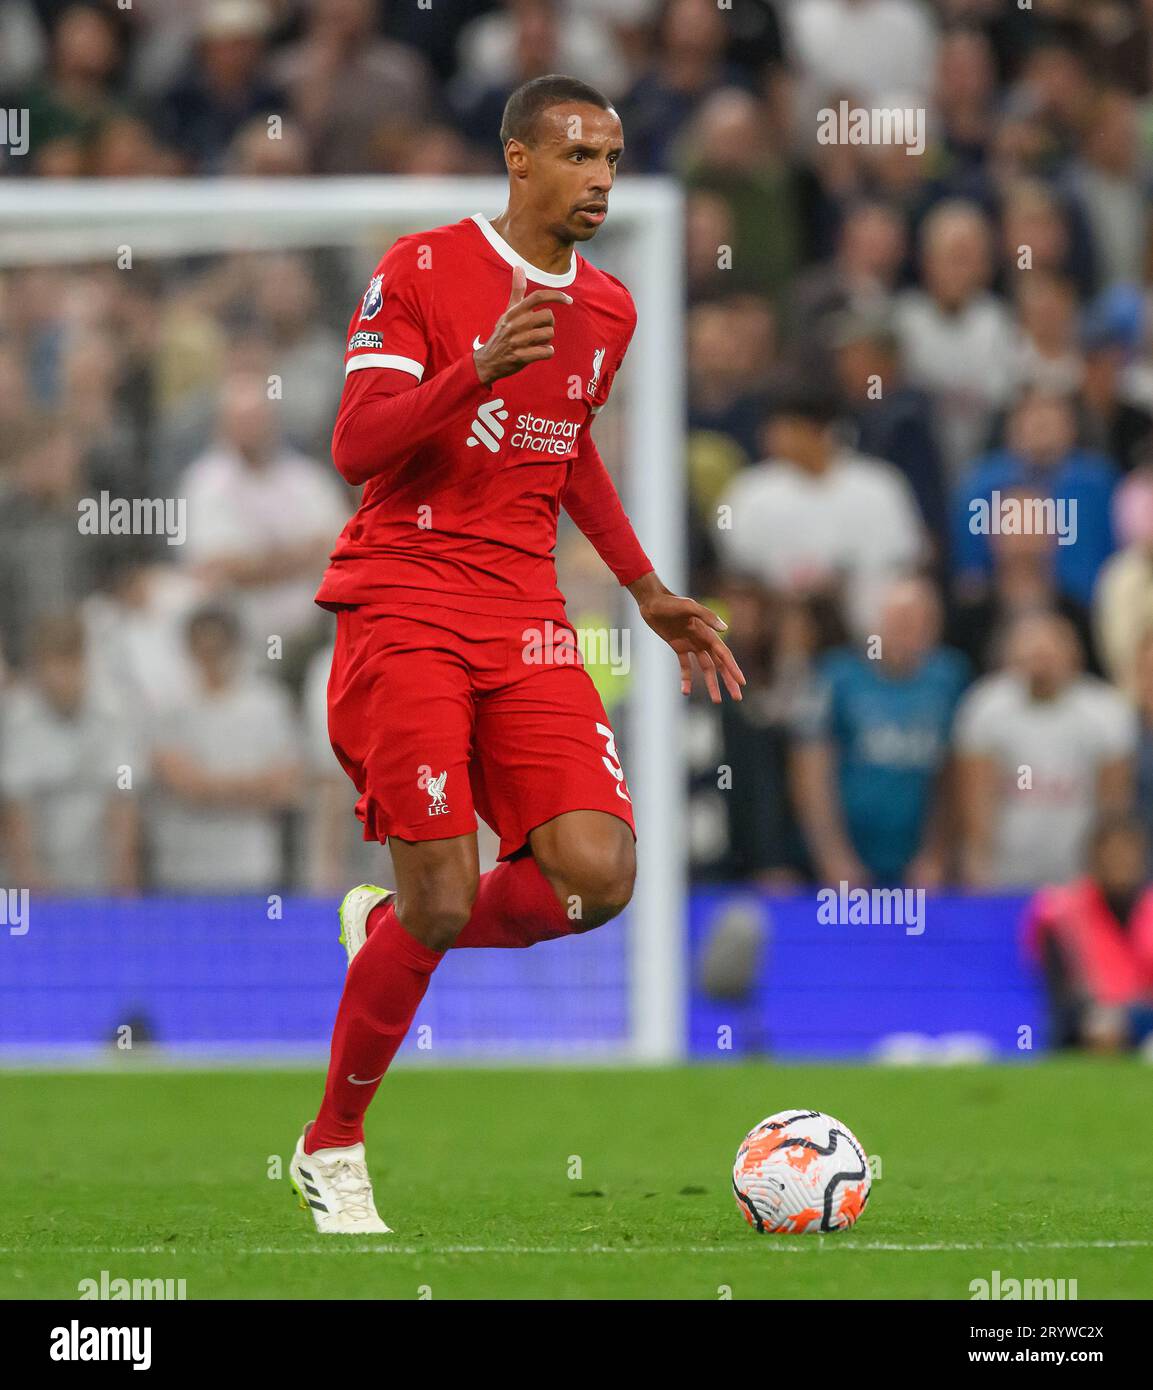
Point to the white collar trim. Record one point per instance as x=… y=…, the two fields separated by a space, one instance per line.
x=506 y=253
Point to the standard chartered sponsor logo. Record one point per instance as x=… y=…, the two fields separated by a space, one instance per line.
x=540 y=435
x=487 y=428
x=536 y=434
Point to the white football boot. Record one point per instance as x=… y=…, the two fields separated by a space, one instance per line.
x=358 y=903
x=334 y=1185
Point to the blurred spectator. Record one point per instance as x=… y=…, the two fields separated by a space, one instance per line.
x=284 y=300
x=731 y=148
x=261 y=151
x=870 y=764
x=816 y=516
x=358 y=97
x=1043 y=232
x=134 y=621
x=1123 y=602
x=1022 y=581
x=1049 y=355
x=1113 y=423
x=740 y=816
x=44 y=562
x=688 y=65
x=76 y=94
x=1043 y=750
x=262 y=518
x=224 y=85
x=1143 y=697
x=532 y=33
x=956 y=337
x=859 y=280
x=965 y=93
x=492 y=50
x=335 y=852
x=709 y=228
x=868 y=48
x=226 y=766
x=1114 y=188
x=892 y=420
x=732 y=348
x=1041 y=461
x=1094 y=940
x=70 y=774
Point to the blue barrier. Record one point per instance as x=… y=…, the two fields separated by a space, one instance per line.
x=829 y=990
x=204 y=975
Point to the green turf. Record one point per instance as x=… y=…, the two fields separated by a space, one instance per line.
x=166 y=1175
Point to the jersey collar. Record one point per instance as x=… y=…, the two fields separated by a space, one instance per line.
x=506 y=253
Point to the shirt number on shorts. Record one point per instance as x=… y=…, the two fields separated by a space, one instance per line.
x=612 y=761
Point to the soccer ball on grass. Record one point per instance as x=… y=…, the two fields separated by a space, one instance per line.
x=801 y=1172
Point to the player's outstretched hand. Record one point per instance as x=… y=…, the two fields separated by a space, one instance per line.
x=691 y=630
x=523 y=333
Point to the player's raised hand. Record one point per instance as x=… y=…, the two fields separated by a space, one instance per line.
x=523 y=333
x=691 y=630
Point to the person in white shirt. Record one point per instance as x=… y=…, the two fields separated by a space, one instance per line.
x=957 y=339
x=227 y=765
x=261 y=518
x=1043 y=750
x=71 y=771
x=868 y=48
x=818 y=517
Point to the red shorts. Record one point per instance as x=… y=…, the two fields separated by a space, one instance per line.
x=440 y=716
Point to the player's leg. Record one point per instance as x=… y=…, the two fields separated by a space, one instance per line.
x=400 y=715
x=388 y=977
x=589 y=859
x=547 y=778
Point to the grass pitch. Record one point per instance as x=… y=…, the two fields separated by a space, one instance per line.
x=584 y=1184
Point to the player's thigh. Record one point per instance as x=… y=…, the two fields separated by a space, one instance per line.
x=545 y=747
x=400 y=717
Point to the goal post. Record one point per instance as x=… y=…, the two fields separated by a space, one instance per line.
x=72 y=223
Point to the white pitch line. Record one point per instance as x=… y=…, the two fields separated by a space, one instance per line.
x=785 y=1245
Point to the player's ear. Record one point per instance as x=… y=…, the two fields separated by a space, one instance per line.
x=516 y=158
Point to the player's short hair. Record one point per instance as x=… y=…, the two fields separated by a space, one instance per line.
x=524 y=107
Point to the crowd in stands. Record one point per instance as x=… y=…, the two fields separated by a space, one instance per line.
x=919 y=434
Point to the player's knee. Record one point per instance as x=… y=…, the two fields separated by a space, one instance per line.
x=437 y=917
x=603 y=889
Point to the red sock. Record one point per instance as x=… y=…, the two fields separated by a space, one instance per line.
x=385 y=984
x=515 y=906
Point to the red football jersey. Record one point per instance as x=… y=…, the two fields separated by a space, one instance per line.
x=472 y=512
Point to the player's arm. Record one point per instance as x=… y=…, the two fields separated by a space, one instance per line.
x=388 y=410
x=591 y=500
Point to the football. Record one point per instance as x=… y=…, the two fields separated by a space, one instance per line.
x=801 y=1172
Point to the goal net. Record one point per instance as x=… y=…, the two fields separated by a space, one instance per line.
x=205 y=280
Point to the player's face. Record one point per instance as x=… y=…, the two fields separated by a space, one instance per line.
x=571 y=167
